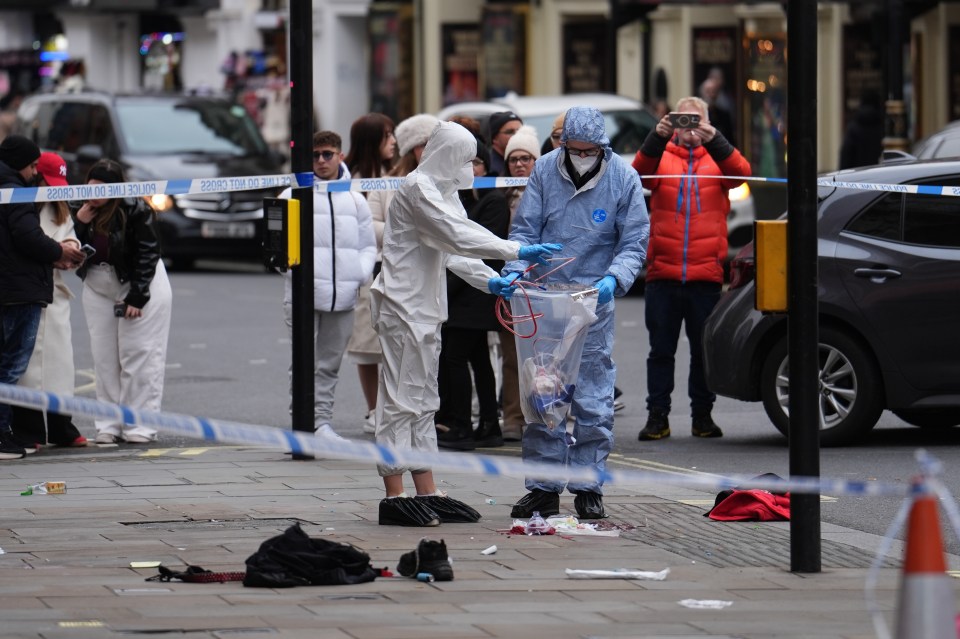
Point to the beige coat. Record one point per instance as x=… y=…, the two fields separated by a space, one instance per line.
x=51 y=365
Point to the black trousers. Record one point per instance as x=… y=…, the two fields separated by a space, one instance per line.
x=30 y=427
x=460 y=350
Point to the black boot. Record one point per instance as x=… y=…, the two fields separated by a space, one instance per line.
x=450 y=510
x=429 y=557
x=658 y=426
x=546 y=503
x=589 y=505
x=456 y=439
x=704 y=426
x=488 y=435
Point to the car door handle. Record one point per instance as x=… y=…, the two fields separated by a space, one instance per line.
x=877 y=273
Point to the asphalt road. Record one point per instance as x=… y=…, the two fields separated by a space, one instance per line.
x=229 y=353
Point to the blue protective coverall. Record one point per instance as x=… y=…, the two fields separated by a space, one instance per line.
x=605 y=226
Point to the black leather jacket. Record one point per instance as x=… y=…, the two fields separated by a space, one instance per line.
x=133 y=237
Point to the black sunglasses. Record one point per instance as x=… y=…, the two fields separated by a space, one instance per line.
x=326 y=155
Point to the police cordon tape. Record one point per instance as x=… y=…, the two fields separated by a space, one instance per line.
x=227 y=432
x=364 y=185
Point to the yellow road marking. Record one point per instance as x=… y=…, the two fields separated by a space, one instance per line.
x=193 y=451
x=155 y=452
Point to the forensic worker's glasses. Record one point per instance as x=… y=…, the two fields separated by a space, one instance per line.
x=520 y=159
x=326 y=155
x=584 y=153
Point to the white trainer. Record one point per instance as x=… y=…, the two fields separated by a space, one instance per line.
x=326 y=430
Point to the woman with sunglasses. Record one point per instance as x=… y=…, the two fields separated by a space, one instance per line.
x=127 y=302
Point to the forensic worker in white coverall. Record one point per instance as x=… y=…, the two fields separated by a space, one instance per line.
x=427 y=232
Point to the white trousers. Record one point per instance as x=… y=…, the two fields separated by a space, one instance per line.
x=408 y=396
x=129 y=355
x=331 y=332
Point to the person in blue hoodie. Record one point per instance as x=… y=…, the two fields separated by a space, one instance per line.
x=587 y=198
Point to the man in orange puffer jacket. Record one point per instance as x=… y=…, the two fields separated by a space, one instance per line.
x=688 y=243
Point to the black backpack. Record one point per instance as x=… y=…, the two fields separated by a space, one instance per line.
x=294 y=559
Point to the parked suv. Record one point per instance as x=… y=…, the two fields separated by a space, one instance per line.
x=165 y=137
x=627 y=123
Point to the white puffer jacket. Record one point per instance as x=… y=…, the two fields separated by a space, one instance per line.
x=344 y=249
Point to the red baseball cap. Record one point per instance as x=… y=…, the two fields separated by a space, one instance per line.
x=53 y=169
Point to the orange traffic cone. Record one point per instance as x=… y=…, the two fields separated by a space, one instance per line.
x=927 y=608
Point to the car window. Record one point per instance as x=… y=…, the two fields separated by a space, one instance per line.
x=881 y=219
x=927 y=220
x=69 y=127
x=163 y=127
x=626 y=129
x=932 y=220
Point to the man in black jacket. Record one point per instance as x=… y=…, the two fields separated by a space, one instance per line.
x=27 y=257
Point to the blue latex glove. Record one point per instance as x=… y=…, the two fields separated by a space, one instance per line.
x=607 y=285
x=537 y=252
x=503 y=286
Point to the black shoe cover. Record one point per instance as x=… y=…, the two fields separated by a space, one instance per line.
x=450 y=511
x=430 y=557
x=404 y=511
x=547 y=504
x=589 y=505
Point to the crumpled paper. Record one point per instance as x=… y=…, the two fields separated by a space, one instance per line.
x=619 y=573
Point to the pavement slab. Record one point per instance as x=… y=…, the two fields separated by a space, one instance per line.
x=66 y=572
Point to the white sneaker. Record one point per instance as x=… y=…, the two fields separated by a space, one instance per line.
x=370 y=423
x=326 y=430
x=106 y=438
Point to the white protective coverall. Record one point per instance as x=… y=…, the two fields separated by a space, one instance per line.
x=427 y=232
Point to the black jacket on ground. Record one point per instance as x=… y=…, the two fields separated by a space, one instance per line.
x=468 y=307
x=134 y=238
x=27 y=254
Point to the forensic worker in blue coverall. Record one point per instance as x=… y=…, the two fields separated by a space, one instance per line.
x=587 y=198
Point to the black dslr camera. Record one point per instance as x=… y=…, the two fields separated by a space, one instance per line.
x=684 y=120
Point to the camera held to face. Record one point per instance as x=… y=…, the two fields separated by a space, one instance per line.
x=684 y=120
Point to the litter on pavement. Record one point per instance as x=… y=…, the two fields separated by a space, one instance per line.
x=619 y=573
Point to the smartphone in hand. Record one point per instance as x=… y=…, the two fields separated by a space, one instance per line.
x=88 y=250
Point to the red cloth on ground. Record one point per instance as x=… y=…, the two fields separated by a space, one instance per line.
x=752 y=505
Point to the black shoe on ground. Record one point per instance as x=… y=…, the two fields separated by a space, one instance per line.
x=450 y=510
x=546 y=503
x=488 y=435
x=10 y=448
x=589 y=505
x=404 y=511
x=430 y=557
x=658 y=427
x=704 y=426
x=456 y=439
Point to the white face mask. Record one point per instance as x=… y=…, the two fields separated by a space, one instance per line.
x=465 y=177
x=583 y=165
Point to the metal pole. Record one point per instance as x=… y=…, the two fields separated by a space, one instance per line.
x=301 y=126
x=802 y=279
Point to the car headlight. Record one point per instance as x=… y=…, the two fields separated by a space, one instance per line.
x=162 y=202
x=742 y=192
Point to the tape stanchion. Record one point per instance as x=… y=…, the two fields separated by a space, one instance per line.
x=226 y=432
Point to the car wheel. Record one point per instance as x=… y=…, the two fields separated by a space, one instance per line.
x=930 y=418
x=850 y=394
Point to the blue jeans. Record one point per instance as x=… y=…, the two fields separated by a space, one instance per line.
x=668 y=304
x=18 y=334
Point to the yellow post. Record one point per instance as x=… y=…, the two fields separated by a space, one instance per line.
x=293 y=232
x=770 y=255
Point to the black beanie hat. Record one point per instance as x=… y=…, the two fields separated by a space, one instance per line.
x=18 y=152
